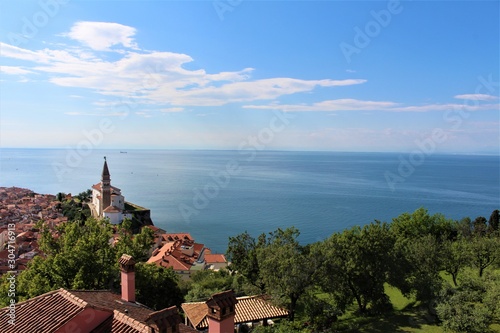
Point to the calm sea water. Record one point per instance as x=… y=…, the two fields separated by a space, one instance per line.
x=217 y=194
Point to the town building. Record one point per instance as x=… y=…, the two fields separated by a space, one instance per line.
x=180 y=252
x=108 y=202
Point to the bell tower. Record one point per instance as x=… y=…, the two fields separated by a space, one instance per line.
x=105 y=187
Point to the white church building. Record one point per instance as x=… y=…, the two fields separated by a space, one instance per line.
x=108 y=201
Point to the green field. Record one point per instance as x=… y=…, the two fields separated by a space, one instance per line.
x=407 y=317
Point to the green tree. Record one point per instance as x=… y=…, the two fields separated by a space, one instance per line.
x=420 y=223
x=471 y=306
x=138 y=246
x=205 y=283
x=85 y=195
x=60 y=196
x=286 y=267
x=242 y=253
x=455 y=257
x=494 y=221
x=480 y=226
x=355 y=266
x=157 y=287
x=81 y=256
x=417 y=263
x=484 y=252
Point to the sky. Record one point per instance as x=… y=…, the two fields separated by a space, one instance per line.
x=374 y=76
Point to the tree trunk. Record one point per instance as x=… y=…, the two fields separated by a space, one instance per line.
x=356 y=295
x=293 y=305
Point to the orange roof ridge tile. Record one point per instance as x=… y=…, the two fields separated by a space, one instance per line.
x=49 y=293
x=72 y=298
x=126 y=319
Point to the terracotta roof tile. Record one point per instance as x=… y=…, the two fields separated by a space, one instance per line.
x=215 y=258
x=222 y=300
x=112 y=209
x=51 y=311
x=31 y=315
x=248 y=309
x=165 y=318
x=196 y=312
x=106 y=299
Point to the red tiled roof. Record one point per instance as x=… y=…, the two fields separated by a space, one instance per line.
x=215 y=258
x=51 y=311
x=32 y=315
x=112 y=209
x=109 y=300
x=171 y=255
x=99 y=188
x=248 y=309
x=170 y=237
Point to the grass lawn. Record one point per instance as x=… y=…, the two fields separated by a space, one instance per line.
x=407 y=317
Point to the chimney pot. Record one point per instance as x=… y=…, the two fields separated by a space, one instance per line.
x=127 y=268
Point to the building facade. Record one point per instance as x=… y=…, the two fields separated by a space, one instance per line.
x=107 y=200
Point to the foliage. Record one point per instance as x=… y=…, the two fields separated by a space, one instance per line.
x=484 y=252
x=138 y=246
x=471 y=306
x=356 y=265
x=208 y=282
x=75 y=211
x=320 y=313
x=81 y=256
x=455 y=256
x=423 y=247
x=156 y=286
x=242 y=253
x=85 y=195
x=417 y=267
x=284 y=326
x=420 y=223
x=494 y=221
x=286 y=267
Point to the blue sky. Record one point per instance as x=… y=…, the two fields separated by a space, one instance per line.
x=294 y=75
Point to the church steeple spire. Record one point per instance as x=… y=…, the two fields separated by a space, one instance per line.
x=105 y=170
x=105 y=186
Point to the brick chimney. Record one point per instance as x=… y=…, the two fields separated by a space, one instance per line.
x=221 y=312
x=127 y=268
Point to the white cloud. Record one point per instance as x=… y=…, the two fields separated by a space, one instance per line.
x=477 y=97
x=360 y=105
x=176 y=109
x=446 y=107
x=143 y=114
x=154 y=77
x=95 y=114
x=13 y=70
x=330 y=105
x=102 y=35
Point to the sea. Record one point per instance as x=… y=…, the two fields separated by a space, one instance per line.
x=216 y=194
